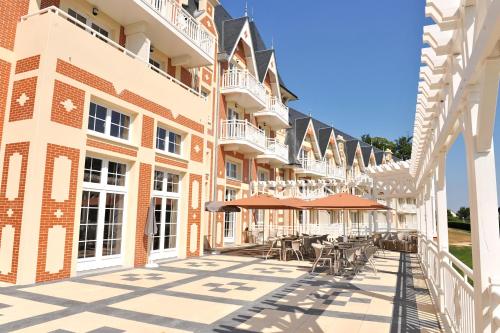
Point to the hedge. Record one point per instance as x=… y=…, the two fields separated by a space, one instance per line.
x=459 y=225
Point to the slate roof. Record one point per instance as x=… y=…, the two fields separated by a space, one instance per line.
x=350 y=150
x=379 y=156
x=366 y=151
x=262 y=59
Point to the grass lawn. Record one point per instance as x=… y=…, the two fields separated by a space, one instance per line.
x=463 y=253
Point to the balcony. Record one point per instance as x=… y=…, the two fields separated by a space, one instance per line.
x=275 y=115
x=171 y=28
x=310 y=167
x=276 y=153
x=242 y=136
x=243 y=88
x=335 y=172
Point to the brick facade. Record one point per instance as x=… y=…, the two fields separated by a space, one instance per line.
x=22 y=104
x=169 y=161
x=48 y=3
x=143 y=203
x=4 y=89
x=194 y=213
x=196 y=148
x=11 y=13
x=111 y=147
x=28 y=64
x=12 y=200
x=57 y=210
x=148 y=127
x=67 y=105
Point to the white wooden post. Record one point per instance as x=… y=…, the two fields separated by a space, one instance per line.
x=442 y=223
x=483 y=202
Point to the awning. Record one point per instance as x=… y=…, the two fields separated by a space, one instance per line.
x=345 y=201
x=263 y=202
x=218 y=206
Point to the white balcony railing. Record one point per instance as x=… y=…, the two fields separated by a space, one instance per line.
x=56 y=11
x=242 y=79
x=280 y=109
x=274 y=147
x=242 y=130
x=310 y=165
x=450 y=282
x=333 y=171
x=183 y=22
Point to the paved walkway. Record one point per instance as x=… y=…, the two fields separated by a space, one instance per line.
x=226 y=294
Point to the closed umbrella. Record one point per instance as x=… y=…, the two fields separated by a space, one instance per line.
x=151 y=230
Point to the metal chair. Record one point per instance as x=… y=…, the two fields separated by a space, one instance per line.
x=318 y=252
x=275 y=246
x=295 y=248
x=351 y=256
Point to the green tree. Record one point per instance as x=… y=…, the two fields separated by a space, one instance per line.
x=403 y=147
x=463 y=213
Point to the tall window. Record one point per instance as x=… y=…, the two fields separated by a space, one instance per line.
x=108 y=122
x=102 y=212
x=168 y=141
x=232 y=170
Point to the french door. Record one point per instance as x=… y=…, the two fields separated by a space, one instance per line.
x=102 y=214
x=166 y=201
x=229 y=219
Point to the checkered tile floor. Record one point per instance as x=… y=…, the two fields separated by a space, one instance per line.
x=227 y=294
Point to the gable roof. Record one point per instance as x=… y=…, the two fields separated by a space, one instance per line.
x=350 y=151
x=262 y=58
x=324 y=138
x=379 y=156
x=366 y=151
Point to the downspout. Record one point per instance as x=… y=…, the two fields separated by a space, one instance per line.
x=215 y=174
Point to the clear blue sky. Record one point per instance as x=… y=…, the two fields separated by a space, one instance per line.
x=354 y=64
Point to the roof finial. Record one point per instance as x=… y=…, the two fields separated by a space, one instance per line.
x=246 y=8
x=252 y=15
x=272 y=43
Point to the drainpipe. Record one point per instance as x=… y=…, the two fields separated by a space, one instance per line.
x=215 y=174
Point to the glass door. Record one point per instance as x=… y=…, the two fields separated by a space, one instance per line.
x=166 y=199
x=229 y=219
x=102 y=214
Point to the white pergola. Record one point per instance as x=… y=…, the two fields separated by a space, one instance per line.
x=457 y=94
x=392 y=180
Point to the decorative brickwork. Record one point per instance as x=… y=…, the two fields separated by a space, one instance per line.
x=110 y=147
x=11 y=13
x=67 y=105
x=48 y=3
x=208 y=23
x=234 y=183
x=196 y=148
x=96 y=82
x=4 y=89
x=28 y=64
x=58 y=210
x=206 y=76
x=194 y=215
x=169 y=161
x=148 y=124
x=12 y=200
x=23 y=99
x=143 y=202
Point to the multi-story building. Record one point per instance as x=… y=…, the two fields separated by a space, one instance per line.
x=111 y=109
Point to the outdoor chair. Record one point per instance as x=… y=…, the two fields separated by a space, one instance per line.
x=321 y=257
x=295 y=248
x=275 y=246
x=352 y=258
x=369 y=253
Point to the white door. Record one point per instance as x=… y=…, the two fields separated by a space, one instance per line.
x=102 y=215
x=229 y=219
x=166 y=198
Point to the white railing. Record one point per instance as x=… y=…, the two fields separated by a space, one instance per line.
x=450 y=282
x=110 y=42
x=362 y=178
x=279 y=108
x=243 y=130
x=333 y=171
x=242 y=79
x=311 y=229
x=274 y=147
x=183 y=22
x=410 y=208
x=315 y=166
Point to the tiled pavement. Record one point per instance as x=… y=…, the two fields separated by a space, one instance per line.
x=226 y=294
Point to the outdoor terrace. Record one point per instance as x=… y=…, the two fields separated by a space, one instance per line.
x=224 y=293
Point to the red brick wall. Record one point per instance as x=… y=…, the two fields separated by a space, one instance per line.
x=194 y=215
x=24 y=111
x=110 y=147
x=48 y=217
x=28 y=64
x=16 y=205
x=169 y=161
x=11 y=10
x=148 y=124
x=48 y=3
x=196 y=153
x=143 y=202
x=67 y=94
x=186 y=77
x=4 y=89
x=101 y=84
x=123 y=38
x=206 y=76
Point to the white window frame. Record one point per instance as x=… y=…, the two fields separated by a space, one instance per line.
x=163 y=253
x=107 y=123
x=100 y=261
x=237 y=168
x=231 y=215
x=166 y=139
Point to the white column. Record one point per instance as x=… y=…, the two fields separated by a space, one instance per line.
x=483 y=203
x=137 y=41
x=442 y=223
